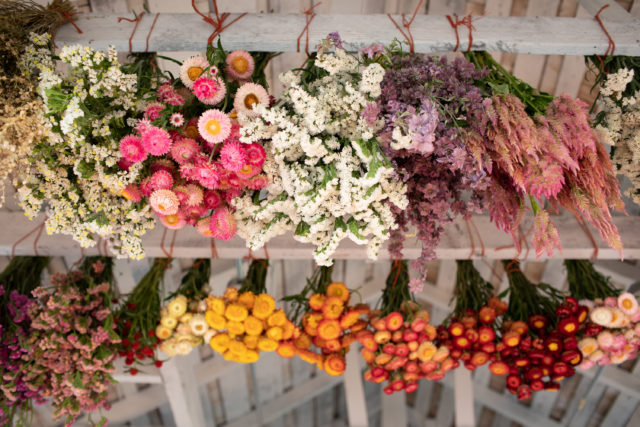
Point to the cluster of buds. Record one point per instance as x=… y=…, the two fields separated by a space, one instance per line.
x=245 y=324
x=182 y=326
x=331 y=326
x=402 y=351
x=473 y=339
x=612 y=333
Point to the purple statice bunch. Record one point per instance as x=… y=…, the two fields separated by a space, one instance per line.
x=430 y=106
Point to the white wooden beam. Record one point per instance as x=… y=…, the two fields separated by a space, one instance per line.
x=463 y=392
x=354 y=391
x=279 y=33
x=454 y=243
x=614 y=12
x=394 y=409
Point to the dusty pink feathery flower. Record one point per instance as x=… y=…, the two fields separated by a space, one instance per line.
x=232 y=156
x=156 y=141
x=545 y=234
x=543 y=178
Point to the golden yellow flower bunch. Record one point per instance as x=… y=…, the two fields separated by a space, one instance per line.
x=245 y=324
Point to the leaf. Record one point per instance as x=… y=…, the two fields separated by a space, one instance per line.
x=502 y=88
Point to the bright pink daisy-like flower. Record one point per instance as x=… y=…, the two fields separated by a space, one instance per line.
x=189 y=171
x=156 y=141
x=256 y=154
x=182 y=194
x=214 y=126
x=236 y=182
x=164 y=202
x=240 y=65
x=132 y=150
x=222 y=224
x=163 y=165
x=231 y=194
x=153 y=111
x=145 y=186
x=176 y=120
x=193 y=68
x=161 y=180
x=196 y=212
x=208 y=90
x=195 y=195
x=142 y=126
x=249 y=96
x=184 y=150
x=232 y=156
x=173 y=222
x=258 y=182
x=208 y=176
x=248 y=171
x=203 y=227
x=132 y=192
x=212 y=199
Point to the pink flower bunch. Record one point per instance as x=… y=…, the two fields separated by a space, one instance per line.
x=197 y=163
x=612 y=334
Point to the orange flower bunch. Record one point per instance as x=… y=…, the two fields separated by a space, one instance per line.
x=330 y=325
x=246 y=323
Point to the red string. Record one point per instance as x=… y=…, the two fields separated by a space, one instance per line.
x=407 y=24
x=471 y=241
x=137 y=20
x=168 y=254
x=266 y=252
x=214 y=250
x=466 y=21
x=611 y=48
x=146 y=46
x=68 y=17
x=473 y=224
x=39 y=229
x=217 y=23
x=309 y=14
x=250 y=258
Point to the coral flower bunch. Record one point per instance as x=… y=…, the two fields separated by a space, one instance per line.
x=190 y=140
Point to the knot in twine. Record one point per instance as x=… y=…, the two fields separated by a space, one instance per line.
x=309 y=14
x=407 y=25
x=466 y=21
x=217 y=23
x=67 y=17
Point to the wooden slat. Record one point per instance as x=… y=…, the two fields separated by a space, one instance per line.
x=463 y=393
x=278 y=33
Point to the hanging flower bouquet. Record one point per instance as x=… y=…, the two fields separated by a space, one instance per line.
x=472 y=330
x=429 y=107
x=328 y=178
x=188 y=141
x=245 y=320
x=618 y=122
x=22 y=383
x=327 y=322
x=402 y=350
x=539 y=147
x=182 y=324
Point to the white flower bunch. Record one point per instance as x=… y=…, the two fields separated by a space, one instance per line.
x=183 y=328
x=74 y=169
x=620 y=125
x=328 y=177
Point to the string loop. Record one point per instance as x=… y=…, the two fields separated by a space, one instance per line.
x=611 y=48
x=466 y=21
x=407 y=25
x=309 y=14
x=218 y=22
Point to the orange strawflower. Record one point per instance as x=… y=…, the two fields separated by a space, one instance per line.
x=316 y=301
x=310 y=322
x=237 y=347
x=303 y=342
x=309 y=356
x=267 y=344
x=287 y=330
x=277 y=318
x=329 y=329
x=366 y=339
x=247 y=299
x=251 y=341
x=363 y=309
x=426 y=351
x=216 y=305
x=394 y=321
x=337 y=289
x=334 y=364
x=286 y=349
x=253 y=325
x=215 y=320
x=231 y=294
x=235 y=328
x=332 y=346
x=382 y=359
x=367 y=355
x=236 y=312
x=220 y=342
x=332 y=307
x=359 y=325
x=263 y=306
x=275 y=333
x=249 y=356
x=348 y=339
x=349 y=319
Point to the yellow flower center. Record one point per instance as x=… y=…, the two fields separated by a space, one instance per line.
x=626 y=303
x=126 y=194
x=250 y=100
x=194 y=72
x=162 y=207
x=240 y=64
x=213 y=127
x=172 y=219
x=570 y=327
x=246 y=169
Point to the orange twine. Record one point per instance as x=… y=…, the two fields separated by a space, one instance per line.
x=611 y=48
x=466 y=21
x=146 y=46
x=407 y=24
x=39 y=229
x=398 y=266
x=309 y=14
x=137 y=20
x=218 y=22
x=214 y=250
x=168 y=254
x=67 y=17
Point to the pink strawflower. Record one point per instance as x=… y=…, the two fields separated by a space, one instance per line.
x=184 y=150
x=628 y=303
x=258 y=182
x=182 y=194
x=153 y=111
x=164 y=202
x=189 y=171
x=223 y=224
x=208 y=176
x=163 y=165
x=196 y=212
x=240 y=65
x=132 y=192
x=168 y=94
x=635 y=318
x=203 y=227
x=161 y=180
x=212 y=199
x=586 y=364
x=132 y=150
x=176 y=120
x=143 y=125
x=195 y=195
x=173 y=222
x=192 y=69
x=236 y=182
x=231 y=194
x=214 y=126
x=605 y=340
x=232 y=156
x=256 y=154
x=611 y=301
x=208 y=90
x=145 y=186
x=124 y=164
x=248 y=97
x=248 y=171
x=156 y=141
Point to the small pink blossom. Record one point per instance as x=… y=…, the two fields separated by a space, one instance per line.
x=176 y=120
x=132 y=149
x=212 y=199
x=223 y=224
x=161 y=180
x=153 y=111
x=156 y=141
x=256 y=154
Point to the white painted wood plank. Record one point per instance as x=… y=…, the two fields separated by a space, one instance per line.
x=463 y=393
x=454 y=243
x=394 y=409
x=635 y=9
x=354 y=391
x=445 y=415
x=446 y=7
x=279 y=33
x=573 y=68
x=614 y=12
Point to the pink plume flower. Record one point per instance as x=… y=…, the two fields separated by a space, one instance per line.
x=222 y=224
x=161 y=180
x=184 y=150
x=256 y=154
x=156 y=141
x=212 y=199
x=214 y=126
x=545 y=235
x=208 y=90
x=132 y=149
x=153 y=111
x=232 y=156
x=132 y=192
x=164 y=202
